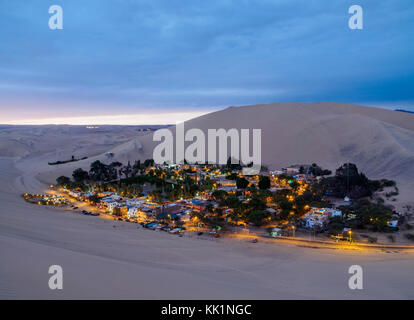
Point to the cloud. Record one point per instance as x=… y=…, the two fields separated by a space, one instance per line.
x=182 y=54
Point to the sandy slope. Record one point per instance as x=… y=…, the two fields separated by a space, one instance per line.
x=103 y=261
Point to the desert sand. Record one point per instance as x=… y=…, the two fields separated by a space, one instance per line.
x=107 y=259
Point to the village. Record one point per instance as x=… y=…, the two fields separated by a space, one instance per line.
x=216 y=201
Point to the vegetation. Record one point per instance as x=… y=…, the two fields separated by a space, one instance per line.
x=66 y=161
x=349 y=182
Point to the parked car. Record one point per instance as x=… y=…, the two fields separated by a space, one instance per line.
x=150 y=225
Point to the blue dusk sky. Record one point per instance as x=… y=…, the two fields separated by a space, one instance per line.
x=144 y=62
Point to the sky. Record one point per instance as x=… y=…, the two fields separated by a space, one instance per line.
x=158 y=62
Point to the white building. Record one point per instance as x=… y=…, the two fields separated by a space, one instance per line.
x=75 y=194
x=113 y=204
x=133 y=211
x=136 y=202
x=393 y=223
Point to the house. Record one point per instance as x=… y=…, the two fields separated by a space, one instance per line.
x=198 y=204
x=314 y=221
x=393 y=223
x=132 y=211
x=75 y=194
x=165 y=215
x=228 y=188
x=300 y=177
x=318 y=218
x=276 y=232
x=175 y=208
x=120 y=211
x=292 y=170
x=336 y=213
x=274 y=173
x=326 y=211
x=186 y=216
x=137 y=202
x=137 y=213
x=112 y=205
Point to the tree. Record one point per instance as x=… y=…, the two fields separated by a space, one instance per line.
x=264 y=182
x=80 y=175
x=98 y=171
x=127 y=170
x=233 y=166
x=148 y=163
x=63 y=180
x=241 y=183
x=136 y=167
x=294 y=185
x=219 y=195
x=335 y=226
x=115 y=164
x=257 y=216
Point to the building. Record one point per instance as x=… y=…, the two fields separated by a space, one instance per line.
x=292 y=170
x=137 y=202
x=137 y=213
x=315 y=221
x=318 y=218
x=120 y=211
x=393 y=224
